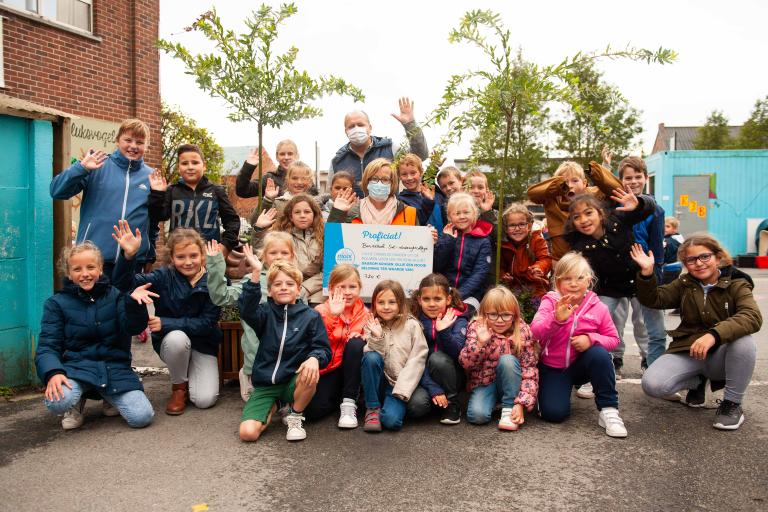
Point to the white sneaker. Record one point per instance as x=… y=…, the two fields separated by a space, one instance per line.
x=109 y=410
x=295 y=431
x=74 y=417
x=505 y=422
x=246 y=386
x=348 y=417
x=585 y=391
x=609 y=419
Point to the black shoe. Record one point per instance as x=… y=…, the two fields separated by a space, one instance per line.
x=452 y=414
x=643 y=365
x=618 y=363
x=697 y=396
x=729 y=416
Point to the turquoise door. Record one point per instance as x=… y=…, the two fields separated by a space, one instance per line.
x=26 y=242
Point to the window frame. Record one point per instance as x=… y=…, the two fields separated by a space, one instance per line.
x=35 y=15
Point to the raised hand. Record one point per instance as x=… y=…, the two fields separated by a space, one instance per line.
x=266 y=218
x=406 y=111
x=94 y=160
x=142 y=295
x=271 y=190
x=488 y=201
x=428 y=192
x=483 y=333
x=345 y=200
x=128 y=242
x=253 y=156
x=450 y=230
x=336 y=302
x=644 y=261
x=212 y=248
x=564 y=309
x=626 y=199
x=446 y=320
x=374 y=326
x=157 y=182
x=607 y=155
x=253 y=262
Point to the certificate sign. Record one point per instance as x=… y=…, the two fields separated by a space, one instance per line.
x=401 y=253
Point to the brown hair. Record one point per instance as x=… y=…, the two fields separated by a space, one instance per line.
x=285 y=222
x=85 y=246
x=185 y=236
x=343 y=175
x=501 y=299
x=447 y=171
x=342 y=272
x=274 y=237
x=286 y=268
x=636 y=163
x=439 y=281
x=137 y=127
x=190 y=148
x=521 y=209
x=591 y=201
x=374 y=167
x=410 y=158
x=475 y=174
x=708 y=241
x=402 y=303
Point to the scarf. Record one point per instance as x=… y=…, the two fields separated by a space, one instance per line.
x=369 y=214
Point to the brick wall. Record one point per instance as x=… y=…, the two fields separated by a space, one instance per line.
x=112 y=79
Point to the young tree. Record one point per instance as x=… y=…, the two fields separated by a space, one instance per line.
x=714 y=134
x=177 y=129
x=754 y=133
x=244 y=71
x=599 y=117
x=490 y=96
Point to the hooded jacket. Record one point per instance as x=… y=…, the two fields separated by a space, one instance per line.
x=200 y=209
x=591 y=318
x=288 y=334
x=119 y=189
x=466 y=259
x=404 y=215
x=86 y=335
x=425 y=206
x=244 y=187
x=449 y=341
x=340 y=328
x=728 y=311
x=516 y=260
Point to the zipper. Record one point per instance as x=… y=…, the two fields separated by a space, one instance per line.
x=125 y=200
x=434 y=333
x=458 y=265
x=282 y=342
x=194 y=209
x=573 y=329
x=85 y=235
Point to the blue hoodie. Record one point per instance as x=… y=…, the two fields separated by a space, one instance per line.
x=450 y=341
x=117 y=190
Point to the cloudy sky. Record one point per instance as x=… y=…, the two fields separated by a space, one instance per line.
x=400 y=48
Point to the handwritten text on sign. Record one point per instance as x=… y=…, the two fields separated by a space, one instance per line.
x=400 y=253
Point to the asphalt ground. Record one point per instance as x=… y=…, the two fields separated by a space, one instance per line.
x=672 y=459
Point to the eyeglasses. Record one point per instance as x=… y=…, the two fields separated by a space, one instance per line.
x=504 y=317
x=383 y=181
x=517 y=226
x=701 y=258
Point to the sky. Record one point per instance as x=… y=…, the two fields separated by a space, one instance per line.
x=400 y=48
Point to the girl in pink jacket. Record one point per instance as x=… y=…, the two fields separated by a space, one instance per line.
x=576 y=334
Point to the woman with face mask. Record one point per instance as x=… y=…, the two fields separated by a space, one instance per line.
x=380 y=204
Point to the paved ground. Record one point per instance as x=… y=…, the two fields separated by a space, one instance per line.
x=672 y=460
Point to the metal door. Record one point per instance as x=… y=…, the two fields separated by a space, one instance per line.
x=692 y=203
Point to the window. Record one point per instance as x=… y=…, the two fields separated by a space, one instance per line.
x=75 y=13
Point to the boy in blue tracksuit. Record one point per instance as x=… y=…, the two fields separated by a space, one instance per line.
x=416 y=194
x=194 y=202
x=114 y=187
x=293 y=347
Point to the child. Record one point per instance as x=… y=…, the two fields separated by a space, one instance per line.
x=463 y=251
x=718 y=314
x=344 y=315
x=303 y=220
x=449 y=181
x=84 y=346
x=444 y=319
x=576 y=334
x=286 y=152
x=194 y=202
x=415 y=193
x=397 y=351
x=672 y=240
x=500 y=359
x=276 y=246
x=114 y=187
x=476 y=183
x=525 y=259
x=293 y=347
x=298 y=180
x=185 y=324
x=340 y=182
x=556 y=193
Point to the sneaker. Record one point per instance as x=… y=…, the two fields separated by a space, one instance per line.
x=109 y=410
x=609 y=420
x=348 y=416
x=585 y=391
x=729 y=416
x=74 y=417
x=246 y=386
x=697 y=396
x=618 y=363
x=295 y=431
x=505 y=421
x=674 y=397
x=451 y=414
x=372 y=420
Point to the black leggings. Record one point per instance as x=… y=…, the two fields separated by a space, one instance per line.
x=343 y=382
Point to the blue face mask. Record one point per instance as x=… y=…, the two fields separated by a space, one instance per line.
x=378 y=191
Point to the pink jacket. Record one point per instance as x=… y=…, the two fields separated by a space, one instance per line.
x=591 y=318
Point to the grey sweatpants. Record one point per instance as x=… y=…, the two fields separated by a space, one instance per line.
x=732 y=362
x=186 y=364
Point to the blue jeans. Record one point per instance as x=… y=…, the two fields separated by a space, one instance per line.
x=657 y=333
x=506 y=387
x=648 y=326
x=133 y=406
x=378 y=392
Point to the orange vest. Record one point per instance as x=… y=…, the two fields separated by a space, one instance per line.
x=405 y=217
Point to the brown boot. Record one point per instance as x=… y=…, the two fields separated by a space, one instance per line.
x=178 y=401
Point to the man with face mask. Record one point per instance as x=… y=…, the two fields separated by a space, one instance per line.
x=363 y=147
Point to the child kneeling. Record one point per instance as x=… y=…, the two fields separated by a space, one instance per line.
x=293 y=347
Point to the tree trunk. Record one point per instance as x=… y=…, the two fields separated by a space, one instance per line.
x=500 y=212
x=261 y=149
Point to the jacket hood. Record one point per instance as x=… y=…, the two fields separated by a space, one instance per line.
x=123 y=162
x=482 y=229
x=99 y=289
x=728 y=273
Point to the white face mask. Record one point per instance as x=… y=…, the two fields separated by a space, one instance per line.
x=357 y=135
x=379 y=191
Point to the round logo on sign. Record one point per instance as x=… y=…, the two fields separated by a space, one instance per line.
x=345 y=256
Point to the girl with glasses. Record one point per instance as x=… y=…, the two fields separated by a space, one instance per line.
x=718 y=315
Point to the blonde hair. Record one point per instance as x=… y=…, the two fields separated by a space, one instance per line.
x=277 y=237
x=287 y=142
x=286 y=268
x=80 y=248
x=674 y=222
x=459 y=199
x=295 y=166
x=184 y=237
x=341 y=273
x=374 y=167
x=573 y=263
x=501 y=299
x=475 y=174
x=708 y=241
x=410 y=158
x=402 y=304
x=137 y=127
x=570 y=168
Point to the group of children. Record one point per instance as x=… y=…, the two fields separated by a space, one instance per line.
x=307 y=356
